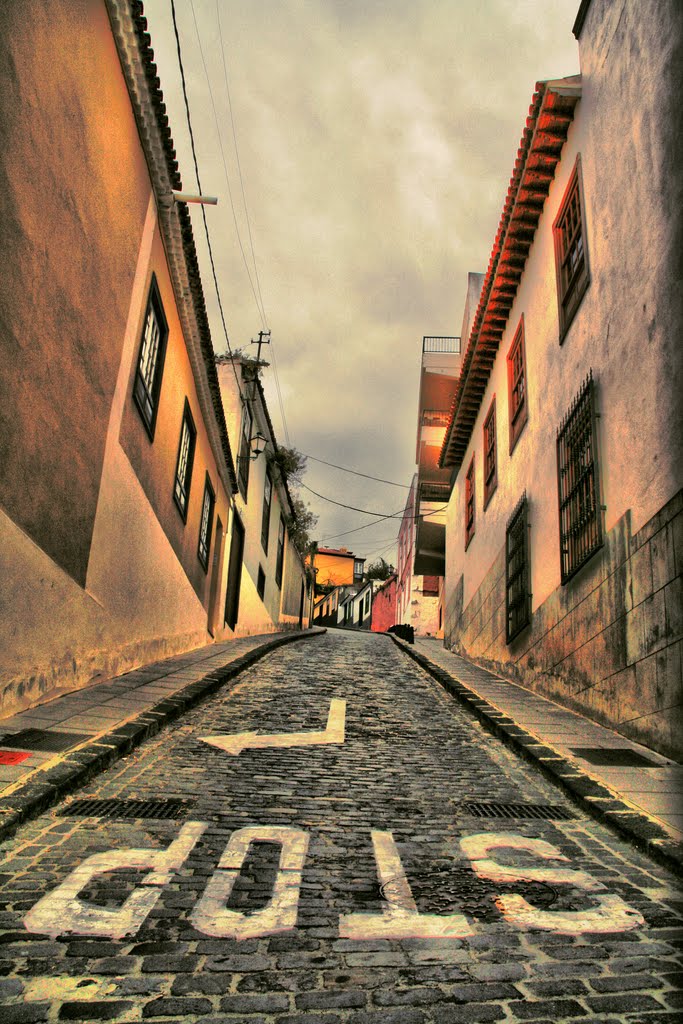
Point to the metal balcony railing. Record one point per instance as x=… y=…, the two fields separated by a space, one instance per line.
x=434 y=418
x=434 y=492
x=441 y=344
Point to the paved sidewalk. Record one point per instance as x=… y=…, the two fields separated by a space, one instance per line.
x=51 y=749
x=643 y=802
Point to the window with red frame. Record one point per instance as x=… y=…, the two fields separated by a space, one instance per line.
x=469 y=504
x=490 y=467
x=517 y=389
x=571 y=255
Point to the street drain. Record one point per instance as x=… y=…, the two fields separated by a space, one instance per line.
x=117 y=808
x=545 y=812
x=615 y=757
x=44 y=740
x=458 y=889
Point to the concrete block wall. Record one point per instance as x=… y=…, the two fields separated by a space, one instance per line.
x=609 y=643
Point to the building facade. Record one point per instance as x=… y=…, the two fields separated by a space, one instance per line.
x=417 y=596
x=117 y=471
x=267 y=586
x=384 y=605
x=563 y=567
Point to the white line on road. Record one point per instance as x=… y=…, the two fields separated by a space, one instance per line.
x=334 y=732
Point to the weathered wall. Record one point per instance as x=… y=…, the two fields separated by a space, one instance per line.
x=73 y=195
x=154 y=462
x=384 y=607
x=611 y=645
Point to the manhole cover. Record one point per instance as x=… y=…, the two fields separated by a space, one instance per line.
x=459 y=889
x=43 y=739
x=615 y=757
x=117 y=808
x=13 y=756
x=547 y=812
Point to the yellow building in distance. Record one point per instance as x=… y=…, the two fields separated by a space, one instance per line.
x=337 y=567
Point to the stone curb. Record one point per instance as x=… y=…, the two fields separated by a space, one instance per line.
x=82 y=764
x=592 y=797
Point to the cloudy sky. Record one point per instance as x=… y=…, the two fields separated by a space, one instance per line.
x=375 y=140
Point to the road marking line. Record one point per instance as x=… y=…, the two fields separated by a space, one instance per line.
x=61 y=910
x=212 y=917
x=402 y=921
x=334 y=732
x=611 y=915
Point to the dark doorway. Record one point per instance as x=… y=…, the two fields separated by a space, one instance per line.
x=232 y=596
x=301 y=605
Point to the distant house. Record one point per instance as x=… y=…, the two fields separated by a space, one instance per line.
x=565 y=435
x=117 y=472
x=336 y=567
x=359 y=614
x=266 y=587
x=417 y=596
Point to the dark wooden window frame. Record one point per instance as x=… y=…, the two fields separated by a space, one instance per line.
x=181 y=486
x=244 y=457
x=146 y=391
x=206 y=524
x=578 y=483
x=261 y=582
x=517 y=571
x=280 y=559
x=265 y=517
x=470 y=503
x=518 y=391
x=572 y=269
x=235 y=561
x=490 y=453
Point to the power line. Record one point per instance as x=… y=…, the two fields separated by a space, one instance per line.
x=199 y=187
x=356 y=472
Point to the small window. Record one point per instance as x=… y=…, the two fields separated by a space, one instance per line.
x=517 y=390
x=206 y=524
x=578 y=483
x=517 y=574
x=430 y=586
x=150 y=366
x=358 y=568
x=265 y=519
x=490 y=466
x=469 y=504
x=367 y=602
x=261 y=582
x=571 y=256
x=244 y=460
x=183 y=472
x=279 y=562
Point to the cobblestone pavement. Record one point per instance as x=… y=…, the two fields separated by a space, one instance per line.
x=333 y=881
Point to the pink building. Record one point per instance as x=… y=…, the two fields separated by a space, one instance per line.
x=384 y=606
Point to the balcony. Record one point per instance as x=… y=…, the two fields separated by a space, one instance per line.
x=441 y=344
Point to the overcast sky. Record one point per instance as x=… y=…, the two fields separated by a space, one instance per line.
x=376 y=139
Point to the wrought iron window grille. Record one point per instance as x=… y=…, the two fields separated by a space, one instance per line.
x=150 y=366
x=517 y=571
x=578 y=480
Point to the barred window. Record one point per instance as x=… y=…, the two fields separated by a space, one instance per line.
x=517 y=389
x=150 y=366
x=183 y=472
x=469 y=504
x=243 y=460
x=206 y=524
x=279 y=561
x=265 y=519
x=579 y=483
x=517 y=573
x=571 y=257
x=490 y=467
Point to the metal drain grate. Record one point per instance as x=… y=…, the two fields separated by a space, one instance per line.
x=43 y=739
x=116 y=808
x=616 y=757
x=547 y=812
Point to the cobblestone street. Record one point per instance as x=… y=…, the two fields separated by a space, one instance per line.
x=364 y=888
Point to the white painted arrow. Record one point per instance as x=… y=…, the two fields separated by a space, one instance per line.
x=239 y=741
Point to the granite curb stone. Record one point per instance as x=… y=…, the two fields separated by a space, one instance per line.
x=80 y=766
x=590 y=796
